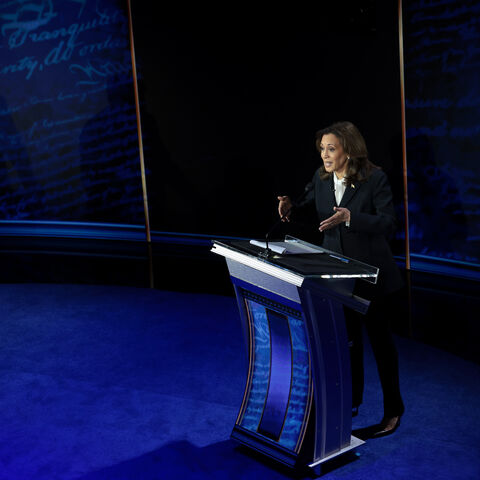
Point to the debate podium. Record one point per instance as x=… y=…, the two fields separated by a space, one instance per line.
x=297 y=404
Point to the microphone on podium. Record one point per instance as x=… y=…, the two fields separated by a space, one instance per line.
x=267 y=252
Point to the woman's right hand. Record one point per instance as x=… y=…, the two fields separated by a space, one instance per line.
x=284 y=208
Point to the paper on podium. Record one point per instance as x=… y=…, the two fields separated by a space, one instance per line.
x=286 y=248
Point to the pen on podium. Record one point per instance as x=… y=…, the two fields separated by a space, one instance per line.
x=344 y=260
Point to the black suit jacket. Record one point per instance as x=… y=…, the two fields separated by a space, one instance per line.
x=372 y=223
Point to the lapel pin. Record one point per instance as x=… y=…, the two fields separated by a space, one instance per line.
x=353 y=186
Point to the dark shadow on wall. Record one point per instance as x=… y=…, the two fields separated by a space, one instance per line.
x=395 y=176
x=167 y=184
x=20 y=192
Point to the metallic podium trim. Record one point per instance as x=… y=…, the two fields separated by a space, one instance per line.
x=354 y=442
x=258 y=264
x=308 y=409
x=251 y=362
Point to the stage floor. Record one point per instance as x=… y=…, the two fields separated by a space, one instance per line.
x=114 y=382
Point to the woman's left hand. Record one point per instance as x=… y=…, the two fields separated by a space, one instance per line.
x=341 y=215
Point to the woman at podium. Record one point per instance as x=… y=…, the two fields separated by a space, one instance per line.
x=356 y=215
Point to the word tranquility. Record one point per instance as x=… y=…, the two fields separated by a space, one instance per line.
x=58 y=54
x=67 y=38
x=23 y=31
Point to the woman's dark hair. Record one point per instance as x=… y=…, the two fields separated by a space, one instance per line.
x=359 y=167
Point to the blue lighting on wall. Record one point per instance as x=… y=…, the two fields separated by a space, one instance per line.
x=442 y=74
x=68 y=136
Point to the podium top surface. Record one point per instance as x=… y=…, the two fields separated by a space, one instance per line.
x=297 y=267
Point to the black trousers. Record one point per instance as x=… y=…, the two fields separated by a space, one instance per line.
x=377 y=325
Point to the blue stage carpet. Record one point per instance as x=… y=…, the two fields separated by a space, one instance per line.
x=117 y=383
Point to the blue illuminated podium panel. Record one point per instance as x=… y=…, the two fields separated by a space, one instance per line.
x=297 y=402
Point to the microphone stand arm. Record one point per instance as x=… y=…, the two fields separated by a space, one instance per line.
x=268 y=252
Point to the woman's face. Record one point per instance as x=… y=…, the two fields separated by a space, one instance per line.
x=333 y=156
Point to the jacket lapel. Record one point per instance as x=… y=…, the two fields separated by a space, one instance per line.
x=332 y=191
x=349 y=193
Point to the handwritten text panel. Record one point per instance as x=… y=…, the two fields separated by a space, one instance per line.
x=68 y=141
x=442 y=74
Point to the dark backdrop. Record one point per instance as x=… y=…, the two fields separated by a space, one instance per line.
x=231 y=104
